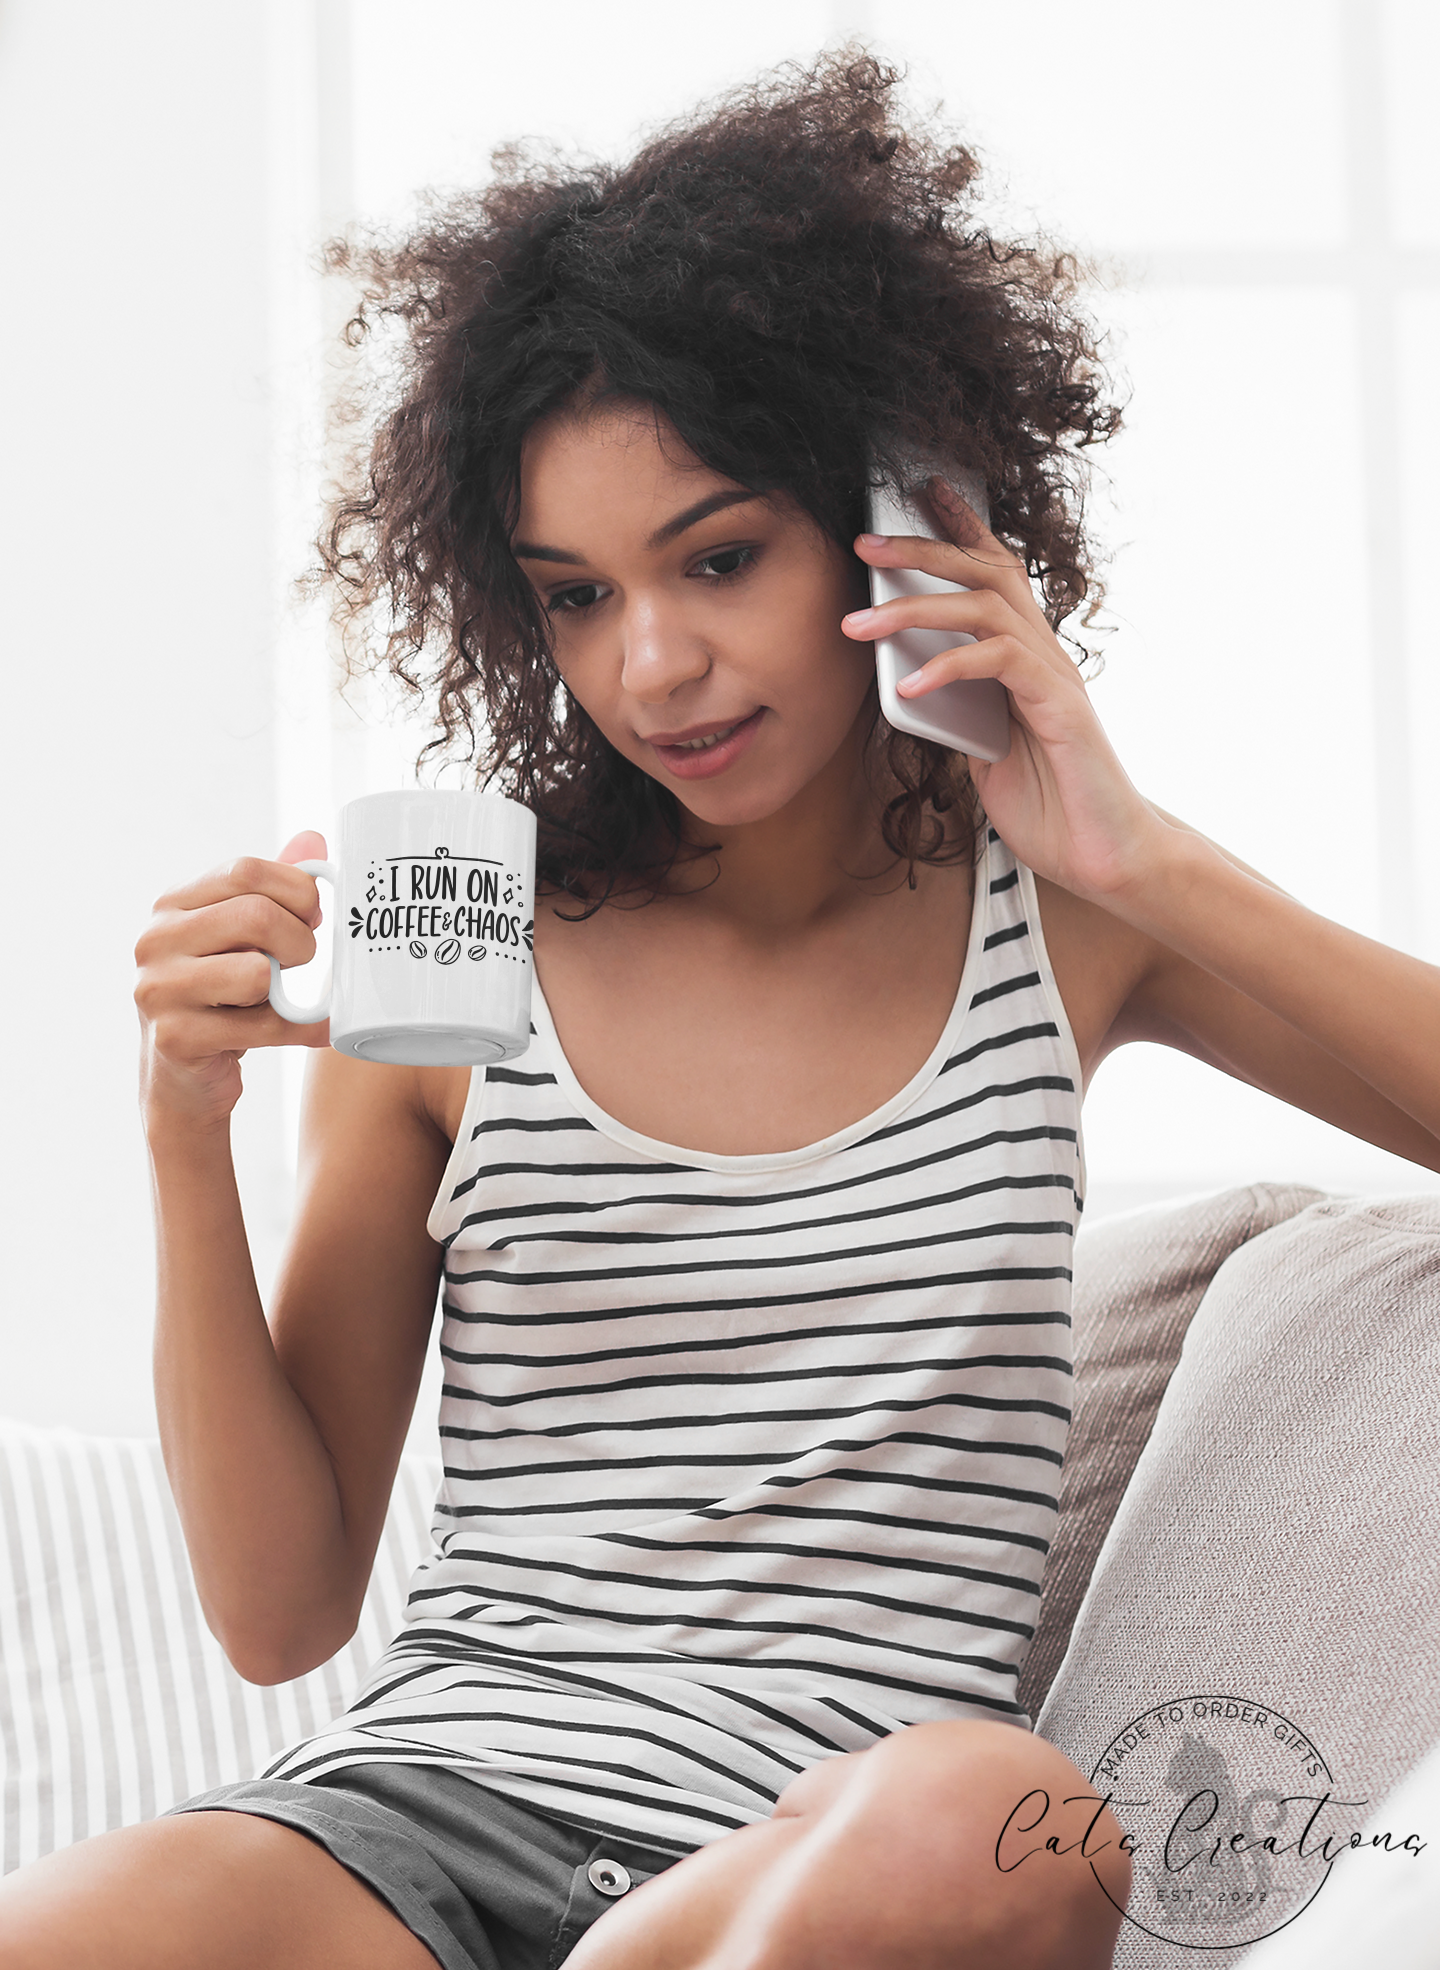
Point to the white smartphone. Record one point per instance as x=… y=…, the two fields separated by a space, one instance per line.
x=971 y=715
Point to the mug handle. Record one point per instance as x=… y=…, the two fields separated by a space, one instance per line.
x=287 y=1009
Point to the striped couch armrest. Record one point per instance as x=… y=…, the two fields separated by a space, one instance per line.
x=116 y=1701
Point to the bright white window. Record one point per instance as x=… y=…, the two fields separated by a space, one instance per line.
x=1256 y=184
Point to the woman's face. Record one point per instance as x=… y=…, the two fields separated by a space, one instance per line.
x=698 y=625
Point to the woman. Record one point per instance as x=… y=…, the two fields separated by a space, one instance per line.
x=756 y=1266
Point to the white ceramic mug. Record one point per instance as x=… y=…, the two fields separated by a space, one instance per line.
x=434 y=920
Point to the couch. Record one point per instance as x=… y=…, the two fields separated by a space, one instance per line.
x=1241 y=1608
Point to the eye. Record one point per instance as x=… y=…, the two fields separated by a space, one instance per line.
x=726 y=563
x=573 y=601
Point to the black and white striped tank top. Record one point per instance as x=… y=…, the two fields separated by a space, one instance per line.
x=749 y=1460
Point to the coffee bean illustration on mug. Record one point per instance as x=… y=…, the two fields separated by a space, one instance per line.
x=433 y=949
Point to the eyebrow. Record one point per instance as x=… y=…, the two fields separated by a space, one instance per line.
x=525 y=550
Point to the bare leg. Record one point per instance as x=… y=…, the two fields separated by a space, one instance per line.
x=226 y=1891
x=897 y=1858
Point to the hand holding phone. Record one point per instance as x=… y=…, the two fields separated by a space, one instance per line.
x=971 y=716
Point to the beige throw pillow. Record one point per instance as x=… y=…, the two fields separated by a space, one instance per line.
x=1138 y=1280
x=1277 y=1545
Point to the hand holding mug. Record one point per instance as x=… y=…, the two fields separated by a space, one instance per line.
x=433 y=932
x=204 y=975
x=432 y=946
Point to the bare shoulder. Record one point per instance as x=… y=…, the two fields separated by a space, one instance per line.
x=1099 y=963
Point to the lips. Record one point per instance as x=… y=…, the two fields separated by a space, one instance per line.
x=700 y=751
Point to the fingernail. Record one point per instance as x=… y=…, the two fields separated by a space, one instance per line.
x=910 y=678
x=860 y=619
x=874 y=540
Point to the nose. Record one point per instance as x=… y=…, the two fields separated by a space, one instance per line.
x=661 y=651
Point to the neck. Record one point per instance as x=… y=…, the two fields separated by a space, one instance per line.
x=801 y=863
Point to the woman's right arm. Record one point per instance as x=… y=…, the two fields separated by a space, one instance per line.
x=281 y=1439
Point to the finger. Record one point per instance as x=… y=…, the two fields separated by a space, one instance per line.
x=307 y=846
x=233 y=981
x=988 y=564
x=983 y=568
x=961 y=521
x=1029 y=678
x=249 y=875
x=250 y=922
x=186 y=1039
x=198 y=1007
x=976 y=612
x=236 y=988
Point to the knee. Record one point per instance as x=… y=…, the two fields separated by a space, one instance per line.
x=1025 y=1823
x=961 y=1842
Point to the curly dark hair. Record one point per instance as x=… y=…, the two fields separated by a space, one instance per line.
x=803 y=287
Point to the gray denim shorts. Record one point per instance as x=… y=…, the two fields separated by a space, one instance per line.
x=484 y=1882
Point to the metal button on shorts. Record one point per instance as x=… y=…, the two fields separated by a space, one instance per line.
x=608 y=1876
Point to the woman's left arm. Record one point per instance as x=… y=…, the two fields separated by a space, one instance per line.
x=1249 y=980
x=1230 y=969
